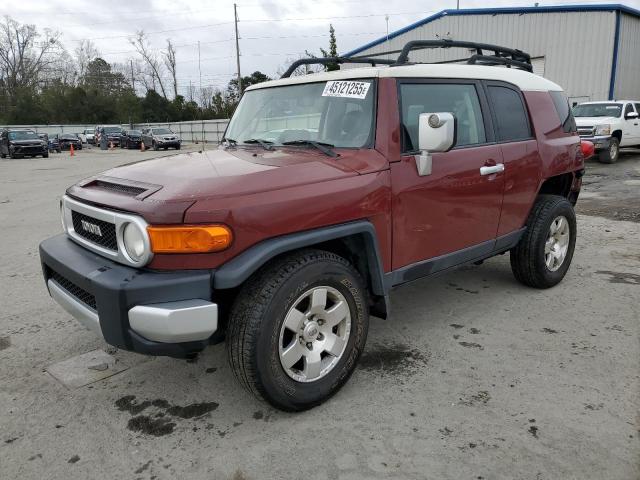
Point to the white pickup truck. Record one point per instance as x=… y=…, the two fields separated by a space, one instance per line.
x=609 y=125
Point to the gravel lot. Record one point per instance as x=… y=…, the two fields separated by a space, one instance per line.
x=474 y=376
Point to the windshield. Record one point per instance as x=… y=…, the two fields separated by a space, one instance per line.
x=23 y=136
x=597 y=110
x=112 y=130
x=161 y=131
x=339 y=113
x=88 y=131
x=134 y=132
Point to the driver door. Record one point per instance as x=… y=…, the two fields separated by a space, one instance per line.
x=452 y=213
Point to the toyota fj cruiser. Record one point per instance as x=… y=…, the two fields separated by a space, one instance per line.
x=329 y=190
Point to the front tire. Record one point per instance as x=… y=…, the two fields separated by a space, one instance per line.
x=543 y=255
x=297 y=329
x=155 y=146
x=611 y=154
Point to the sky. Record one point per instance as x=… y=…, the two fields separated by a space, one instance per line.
x=272 y=33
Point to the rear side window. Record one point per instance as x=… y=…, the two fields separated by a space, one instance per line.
x=459 y=99
x=628 y=109
x=561 y=103
x=511 y=117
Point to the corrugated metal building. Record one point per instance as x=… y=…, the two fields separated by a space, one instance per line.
x=592 y=51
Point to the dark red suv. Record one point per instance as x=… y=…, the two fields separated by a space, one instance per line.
x=329 y=190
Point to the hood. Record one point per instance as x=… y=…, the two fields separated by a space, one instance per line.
x=590 y=121
x=182 y=179
x=220 y=173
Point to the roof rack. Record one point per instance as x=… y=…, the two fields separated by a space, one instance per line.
x=501 y=55
x=330 y=60
x=485 y=54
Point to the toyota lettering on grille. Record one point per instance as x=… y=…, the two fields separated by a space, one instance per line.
x=91 y=228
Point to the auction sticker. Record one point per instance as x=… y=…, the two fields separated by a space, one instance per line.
x=346 y=89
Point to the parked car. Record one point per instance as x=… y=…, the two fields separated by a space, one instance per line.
x=111 y=132
x=21 y=143
x=160 y=137
x=65 y=140
x=52 y=143
x=329 y=190
x=131 y=139
x=87 y=135
x=609 y=126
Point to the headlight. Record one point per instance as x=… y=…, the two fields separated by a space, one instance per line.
x=134 y=240
x=603 y=129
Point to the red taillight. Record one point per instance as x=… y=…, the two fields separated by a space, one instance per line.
x=587 y=149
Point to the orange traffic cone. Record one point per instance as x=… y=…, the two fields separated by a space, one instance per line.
x=71 y=151
x=142 y=146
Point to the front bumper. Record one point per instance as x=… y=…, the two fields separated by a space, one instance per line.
x=29 y=149
x=600 y=142
x=155 y=313
x=168 y=143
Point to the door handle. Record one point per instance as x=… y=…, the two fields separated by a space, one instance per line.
x=493 y=169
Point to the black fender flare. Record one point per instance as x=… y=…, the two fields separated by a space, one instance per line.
x=233 y=273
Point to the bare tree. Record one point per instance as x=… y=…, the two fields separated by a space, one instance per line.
x=170 y=63
x=85 y=52
x=153 y=65
x=25 y=55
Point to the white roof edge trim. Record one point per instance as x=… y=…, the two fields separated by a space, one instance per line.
x=524 y=80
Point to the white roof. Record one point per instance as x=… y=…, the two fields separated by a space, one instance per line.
x=524 y=80
x=610 y=101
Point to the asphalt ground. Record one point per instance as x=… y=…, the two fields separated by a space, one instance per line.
x=474 y=376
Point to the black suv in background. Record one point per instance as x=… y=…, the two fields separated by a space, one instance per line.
x=131 y=139
x=22 y=143
x=65 y=140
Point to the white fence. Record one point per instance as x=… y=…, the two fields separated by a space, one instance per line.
x=209 y=131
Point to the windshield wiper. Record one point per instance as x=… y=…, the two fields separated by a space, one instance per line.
x=230 y=142
x=324 y=147
x=266 y=144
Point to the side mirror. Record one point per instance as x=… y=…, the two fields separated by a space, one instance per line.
x=436 y=133
x=631 y=115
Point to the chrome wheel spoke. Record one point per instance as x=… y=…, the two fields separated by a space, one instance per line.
x=294 y=319
x=336 y=314
x=292 y=354
x=334 y=344
x=312 y=365
x=318 y=300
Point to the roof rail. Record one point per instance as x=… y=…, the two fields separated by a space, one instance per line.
x=330 y=60
x=500 y=56
x=486 y=54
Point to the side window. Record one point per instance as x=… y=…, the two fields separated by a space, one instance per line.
x=628 y=108
x=511 y=117
x=459 y=99
x=564 y=112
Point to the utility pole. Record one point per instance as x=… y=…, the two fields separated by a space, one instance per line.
x=133 y=82
x=235 y=17
x=199 y=68
x=386 y=17
x=457 y=4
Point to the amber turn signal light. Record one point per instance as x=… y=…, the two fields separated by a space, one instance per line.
x=189 y=238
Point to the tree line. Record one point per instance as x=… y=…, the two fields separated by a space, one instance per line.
x=41 y=82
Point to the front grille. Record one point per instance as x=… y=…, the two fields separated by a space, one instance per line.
x=585 y=131
x=74 y=290
x=107 y=236
x=117 y=187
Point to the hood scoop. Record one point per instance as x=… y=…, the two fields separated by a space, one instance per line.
x=129 y=188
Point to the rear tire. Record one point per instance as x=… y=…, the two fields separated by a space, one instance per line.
x=611 y=154
x=543 y=255
x=45 y=155
x=270 y=320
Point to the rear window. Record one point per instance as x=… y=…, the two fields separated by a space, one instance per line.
x=511 y=117
x=561 y=103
